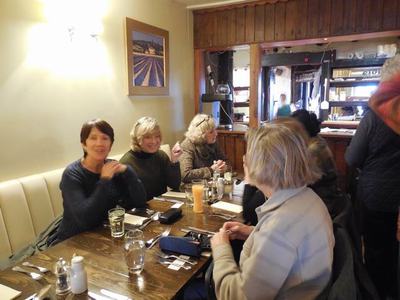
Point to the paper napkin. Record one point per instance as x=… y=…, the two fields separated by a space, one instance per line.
x=174 y=195
x=8 y=293
x=228 y=206
x=134 y=220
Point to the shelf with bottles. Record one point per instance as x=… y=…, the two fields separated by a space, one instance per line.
x=348 y=103
x=354 y=83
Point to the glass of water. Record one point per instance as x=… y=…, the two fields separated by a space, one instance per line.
x=189 y=194
x=135 y=251
x=116 y=218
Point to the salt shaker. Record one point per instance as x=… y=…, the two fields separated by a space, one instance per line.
x=78 y=275
x=62 y=277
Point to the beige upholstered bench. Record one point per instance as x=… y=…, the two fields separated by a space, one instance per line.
x=28 y=205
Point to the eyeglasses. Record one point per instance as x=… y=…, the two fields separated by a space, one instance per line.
x=202 y=121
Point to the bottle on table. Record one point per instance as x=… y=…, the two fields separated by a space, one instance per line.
x=62 y=272
x=78 y=275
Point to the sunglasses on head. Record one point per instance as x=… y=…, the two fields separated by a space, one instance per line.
x=202 y=121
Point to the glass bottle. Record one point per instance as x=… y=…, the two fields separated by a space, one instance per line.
x=78 y=275
x=62 y=272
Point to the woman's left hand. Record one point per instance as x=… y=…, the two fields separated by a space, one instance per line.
x=176 y=152
x=220 y=238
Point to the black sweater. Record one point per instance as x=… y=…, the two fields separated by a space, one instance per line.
x=155 y=170
x=87 y=198
x=375 y=149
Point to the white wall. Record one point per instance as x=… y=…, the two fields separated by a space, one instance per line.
x=50 y=85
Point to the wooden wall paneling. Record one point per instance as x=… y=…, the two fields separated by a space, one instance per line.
x=230 y=149
x=255 y=85
x=398 y=13
x=301 y=28
x=221 y=142
x=199 y=78
x=280 y=13
x=324 y=18
x=214 y=30
x=362 y=17
x=222 y=28
x=259 y=23
x=240 y=146
x=196 y=31
x=291 y=17
x=250 y=24
x=349 y=16
x=389 y=14
x=240 y=25
x=208 y=29
x=312 y=18
x=337 y=17
x=269 y=22
x=231 y=39
x=375 y=15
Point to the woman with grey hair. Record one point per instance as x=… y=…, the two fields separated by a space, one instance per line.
x=151 y=164
x=289 y=253
x=201 y=155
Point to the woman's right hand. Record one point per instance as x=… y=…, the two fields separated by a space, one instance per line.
x=111 y=168
x=238 y=231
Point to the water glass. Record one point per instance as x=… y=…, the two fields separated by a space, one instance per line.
x=189 y=194
x=228 y=174
x=135 y=251
x=116 y=218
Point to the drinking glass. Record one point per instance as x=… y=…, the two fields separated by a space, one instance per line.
x=116 y=218
x=228 y=174
x=189 y=194
x=198 y=192
x=135 y=251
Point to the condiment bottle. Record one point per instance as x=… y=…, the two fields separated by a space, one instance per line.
x=62 y=273
x=78 y=275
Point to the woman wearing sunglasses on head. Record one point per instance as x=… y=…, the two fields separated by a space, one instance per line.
x=201 y=155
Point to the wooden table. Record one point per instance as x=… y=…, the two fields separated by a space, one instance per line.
x=105 y=262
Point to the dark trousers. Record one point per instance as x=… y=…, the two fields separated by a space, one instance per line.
x=381 y=250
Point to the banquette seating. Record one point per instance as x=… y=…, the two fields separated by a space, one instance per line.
x=28 y=205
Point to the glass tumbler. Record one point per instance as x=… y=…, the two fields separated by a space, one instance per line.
x=116 y=217
x=135 y=251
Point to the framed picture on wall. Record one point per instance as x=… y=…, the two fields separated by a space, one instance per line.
x=147 y=57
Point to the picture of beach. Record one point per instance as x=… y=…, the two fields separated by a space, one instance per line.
x=148 y=60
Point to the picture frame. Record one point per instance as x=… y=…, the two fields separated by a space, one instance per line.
x=147 y=50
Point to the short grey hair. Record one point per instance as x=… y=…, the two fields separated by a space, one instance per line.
x=198 y=127
x=390 y=68
x=143 y=126
x=277 y=156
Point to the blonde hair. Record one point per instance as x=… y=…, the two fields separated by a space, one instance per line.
x=277 y=156
x=198 y=127
x=143 y=126
x=390 y=68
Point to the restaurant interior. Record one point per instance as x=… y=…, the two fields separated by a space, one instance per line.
x=64 y=62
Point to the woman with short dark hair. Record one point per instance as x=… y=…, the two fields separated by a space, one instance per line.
x=94 y=184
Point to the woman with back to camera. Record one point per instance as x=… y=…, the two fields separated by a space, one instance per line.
x=94 y=184
x=289 y=253
x=201 y=155
x=151 y=164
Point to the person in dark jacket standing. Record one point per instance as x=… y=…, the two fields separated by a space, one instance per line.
x=94 y=184
x=375 y=150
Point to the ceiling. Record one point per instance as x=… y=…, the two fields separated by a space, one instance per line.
x=200 y=4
